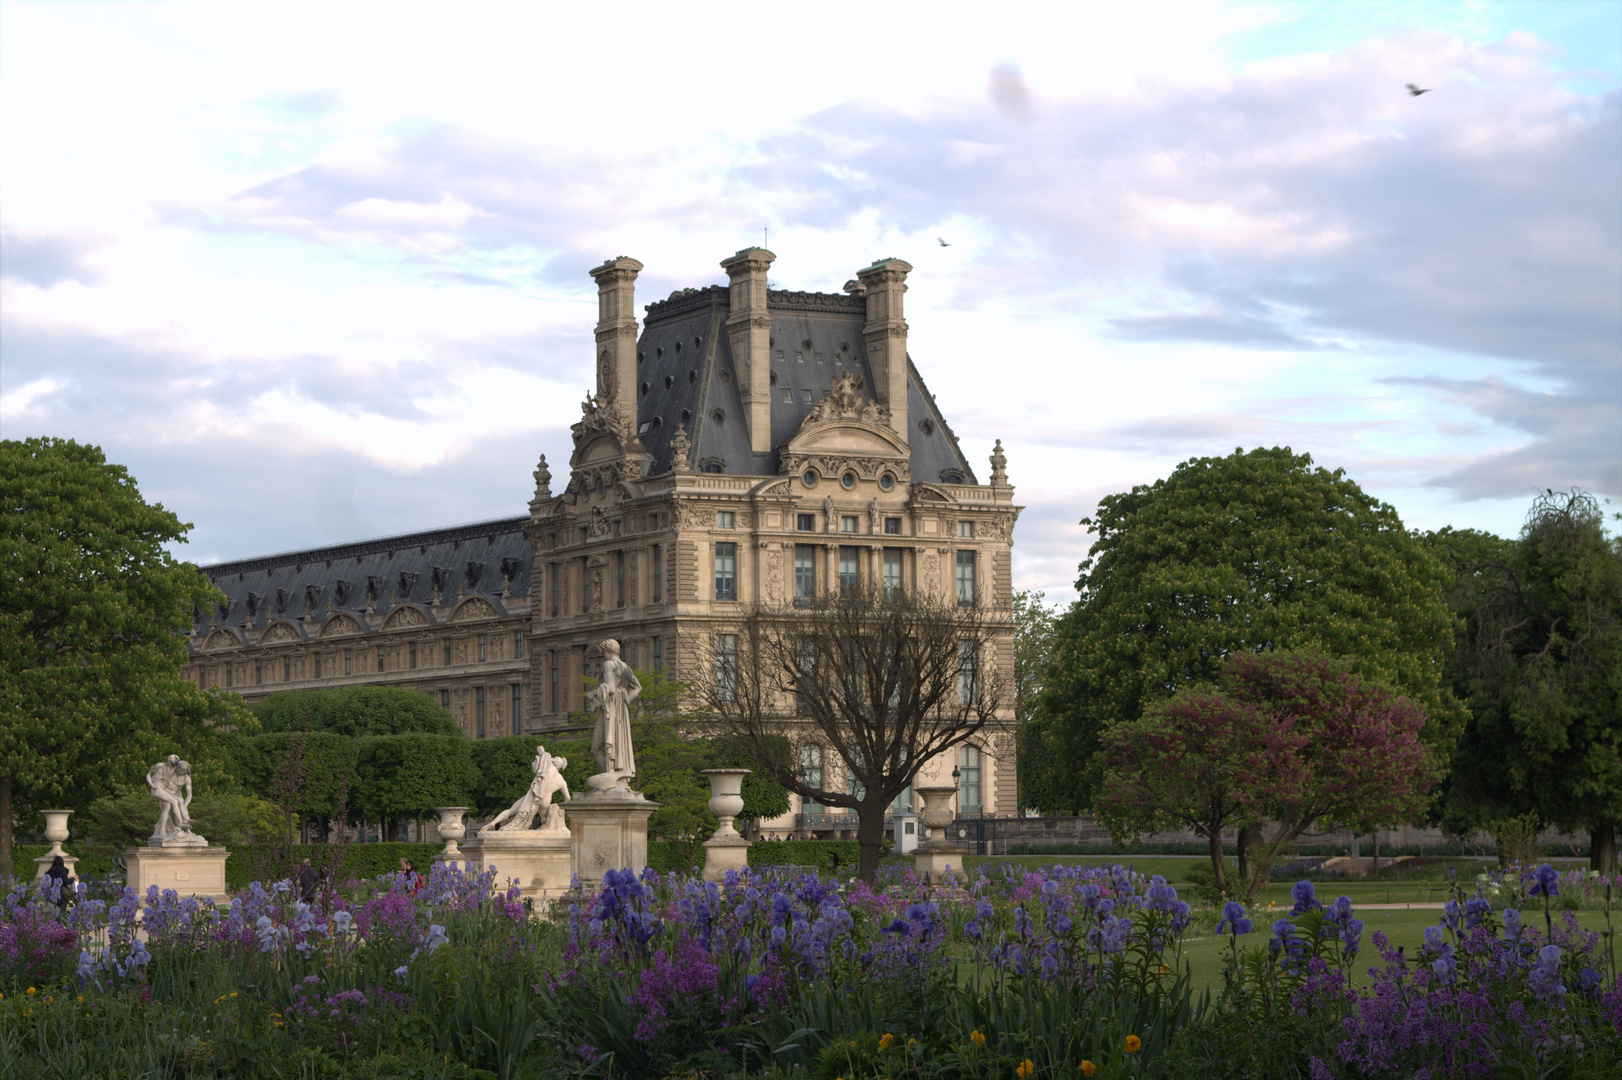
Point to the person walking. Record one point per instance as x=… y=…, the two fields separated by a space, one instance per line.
x=309 y=882
x=65 y=882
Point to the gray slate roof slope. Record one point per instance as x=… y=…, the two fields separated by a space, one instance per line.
x=685 y=362
x=474 y=557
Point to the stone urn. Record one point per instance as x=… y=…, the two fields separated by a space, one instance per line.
x=726 y=798
x=937 y=812
x=56 y=830
x=451 y=830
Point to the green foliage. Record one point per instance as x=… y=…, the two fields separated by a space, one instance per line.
x=1255 y=551
x=404 y=776
x=667 y=855
x=93 y=862
x=326 y=765
x=362 y=862
x=1035 y=623
x=1202 y=879
x=93 y=617
x=126 y=820
x=355 y=711
x=818 y=853
x=1539 y=659
x=504 y=768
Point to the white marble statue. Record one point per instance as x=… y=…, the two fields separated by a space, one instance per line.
x=611 y=739
x=537 y=802
x=170 y=781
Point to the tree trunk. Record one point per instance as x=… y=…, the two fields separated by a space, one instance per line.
x=1375 y=865
x=1601 y=851
x=8 y=868
x=1218 y=863
x=870 y=835
x=1246 y=841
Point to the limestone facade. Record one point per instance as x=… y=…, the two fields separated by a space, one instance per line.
x=742 y=445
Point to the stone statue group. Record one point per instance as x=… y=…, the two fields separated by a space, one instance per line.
x=170 y=780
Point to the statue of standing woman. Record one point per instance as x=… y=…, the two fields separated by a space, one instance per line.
x=611 y=739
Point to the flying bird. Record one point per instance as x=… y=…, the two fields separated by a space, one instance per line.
x=1414 y=91
x=943 y=243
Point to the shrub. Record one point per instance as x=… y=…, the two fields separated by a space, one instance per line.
x=817 y=853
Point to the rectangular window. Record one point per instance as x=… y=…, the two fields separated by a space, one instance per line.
x=382 y=659
x=965 y=579
x=726 y=571
x=478 y=712
x=658 y=568
x=619 y=579
x=585 y=673
x=315 y=665
x=965 y=530
x=726 y=667
x=805 y=571
x=805 y=522
x=968 y=787
x=287 y=669
x=258 y=672
x=518 y=644
x=481 y=649
x=892 y=526
x=658 y=653
x=349 y=661
x=518 y=709
x=850 y=576
x=448 y=653
x=411 y=656
x=552 y=663
x=850 y=523
x=968 y=674
x=811 y=775
x=788 y=396
x=228 y=675
x=892 y=571
x=805 y=671
x=725 y=519
x=552 y=571
x=445 y=700
x=585 y=586
x=805 y=395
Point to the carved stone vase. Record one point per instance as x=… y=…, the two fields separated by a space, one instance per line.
x=726 y=850
x=936 y=855
x=56 y=830
x=451 y=830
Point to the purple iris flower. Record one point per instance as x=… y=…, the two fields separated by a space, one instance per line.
x=1475 y=909
x=1446 y=969
x=1233 y=915
x=1451 y=915
x=1512 y=924
x=1547 y=881
x=1589 y=982
x=1305 y=895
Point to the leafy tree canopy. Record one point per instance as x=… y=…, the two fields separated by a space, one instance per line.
x=93 y=617
x=1256 y=551
x=355 y=711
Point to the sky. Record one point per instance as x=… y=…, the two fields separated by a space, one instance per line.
x=318 y=272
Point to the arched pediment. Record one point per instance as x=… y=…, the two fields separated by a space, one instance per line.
x=847 y=435
x=477 y=607
x=407 y=616
x=922 y=491
x=224 y=637
x=341 y=625
x=279 y=631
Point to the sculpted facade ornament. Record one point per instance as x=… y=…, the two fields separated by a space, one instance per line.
x=543 y=484
x=170 y=781
x=681 y=447
x=535 y=811
x=999 y=466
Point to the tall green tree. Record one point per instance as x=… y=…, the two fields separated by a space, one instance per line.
x=1540 y=663
x=94 y=612
x=355 y=711
x=1256 y=551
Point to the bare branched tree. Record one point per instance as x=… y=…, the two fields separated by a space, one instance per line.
x=841 y=700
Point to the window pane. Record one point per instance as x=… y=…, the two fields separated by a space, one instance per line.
x=892 y=526
x=726 y=666
x=965 y=578
x=806 y=522
x=849 y=574
x=518 y=709
x=619 y=579
x=811 y=775
x=805 y=571
x=968 y=790
x=478 y=713
x=892 y=571
x=411 y=655
x=726 y=571
x=658 y=576
x=850 y=523
x=968 y=673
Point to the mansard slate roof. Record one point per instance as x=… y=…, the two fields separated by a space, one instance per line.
x=686 y=374
x=388 y=570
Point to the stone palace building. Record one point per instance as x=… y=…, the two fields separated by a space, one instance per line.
x=743 y=445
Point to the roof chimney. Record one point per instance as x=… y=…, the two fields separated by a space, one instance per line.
x=886 y=336
x=616 y=330
x=749 y=327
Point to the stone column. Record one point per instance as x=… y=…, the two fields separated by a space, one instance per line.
x=749 y=328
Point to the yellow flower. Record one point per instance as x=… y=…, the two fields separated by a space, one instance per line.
x=80 y=999
x=1133 y=1044
x=31 y=991
x=912 y=1042
x=885 y=1040
x=1088 y=1068
x=1026 y=1069
x=977 y=1038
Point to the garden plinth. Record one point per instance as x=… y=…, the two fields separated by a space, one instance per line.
x=188 y=870
x=537 y=860
x=607 y=832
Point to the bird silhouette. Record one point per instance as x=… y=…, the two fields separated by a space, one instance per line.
x=943 y=243
x=1414 y=91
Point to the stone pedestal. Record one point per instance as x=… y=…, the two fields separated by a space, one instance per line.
x=56 y=831
x=188 y=870
x=538 y=860
x=451 y=830
x=607 y=832
x=726 y=850
x=936 y=863
x=937 y=854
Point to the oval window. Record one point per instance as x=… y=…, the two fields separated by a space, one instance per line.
x=886 y=482
x=849 y=480
x=810 y=478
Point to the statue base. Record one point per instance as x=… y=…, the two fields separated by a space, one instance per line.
x=44 y=864
x=189 y=871
x=186 y=839
x=537 y=860
x=723 y=853
x=934 y=861
x=607 y=832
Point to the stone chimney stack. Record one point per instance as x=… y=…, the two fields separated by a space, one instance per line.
x=886 y=336
x=749 y=328
x=616 y=331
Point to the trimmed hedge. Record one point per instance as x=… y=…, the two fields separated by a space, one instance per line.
x=93 y=862
x=361 y=861
x=818 y=853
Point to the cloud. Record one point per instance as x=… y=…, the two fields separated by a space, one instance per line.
x=47 y=260
x=1238 y=331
